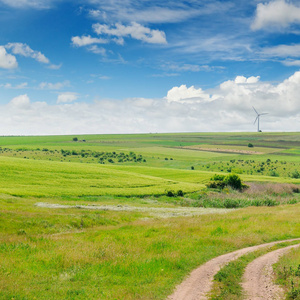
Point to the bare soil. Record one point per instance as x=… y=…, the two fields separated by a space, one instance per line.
x=200 y=281
x=258 y=278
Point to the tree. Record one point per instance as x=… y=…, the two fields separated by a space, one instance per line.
x=75 y=139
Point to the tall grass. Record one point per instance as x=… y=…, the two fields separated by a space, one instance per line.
x=287 y=271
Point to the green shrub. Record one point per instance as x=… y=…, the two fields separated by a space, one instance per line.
x=250 y=145
x=180 y=193
x=221 y=181
x=234 y=181
x=170 y=193
x=295 y=174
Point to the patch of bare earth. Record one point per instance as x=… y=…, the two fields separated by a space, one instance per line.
x=223 y=150
x=258 y=278
x=200 y=281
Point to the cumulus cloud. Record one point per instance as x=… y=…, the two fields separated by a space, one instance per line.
x=277 y=14
x=185 y=94
x=134 y=30
x=67 y=97
x=228 y=107
x=25 y=50
x=7 y=61
x=86 y=40
x=20 y=102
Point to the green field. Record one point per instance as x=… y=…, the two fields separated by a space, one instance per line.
x=118 y=235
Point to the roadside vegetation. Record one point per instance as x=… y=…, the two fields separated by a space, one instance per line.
x=288 y=274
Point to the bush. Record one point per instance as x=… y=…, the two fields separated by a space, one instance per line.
x=234 y=181
x=170 y=194
x=221 y=181
x=75 y=139
x=180 y=193
x=250 y=145
x=295 y=174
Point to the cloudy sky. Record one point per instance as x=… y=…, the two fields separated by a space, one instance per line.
x=139 y=66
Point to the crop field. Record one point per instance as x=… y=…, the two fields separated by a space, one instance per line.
x=129 y=216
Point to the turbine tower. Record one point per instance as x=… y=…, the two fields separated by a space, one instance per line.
x=257 y=119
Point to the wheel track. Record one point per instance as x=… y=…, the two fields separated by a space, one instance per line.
x=258 y=277
x=200 y=281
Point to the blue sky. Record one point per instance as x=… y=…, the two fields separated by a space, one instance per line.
x=132 y=66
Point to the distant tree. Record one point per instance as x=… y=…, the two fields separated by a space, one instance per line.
x=75 y=139
x=250 y=145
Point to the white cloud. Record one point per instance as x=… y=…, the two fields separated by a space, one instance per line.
x=153 y=11
x=7 y=61
x=134 y=30
x=55 y=67
x=228 y=107
x=185 y=94
x=291 y=63
x=283 y=51
x=97 y=50
x=242 y=79
x=54 y=86
x=86 y=40
x=96 y=13
x=67 y=97
x=25 y=50
x=277 y=14
x=20 y=102
x=38 y=4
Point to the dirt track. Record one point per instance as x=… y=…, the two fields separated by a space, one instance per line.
x=200 y=281
x=258 y=283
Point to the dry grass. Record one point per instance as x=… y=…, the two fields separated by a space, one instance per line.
x=256 y=189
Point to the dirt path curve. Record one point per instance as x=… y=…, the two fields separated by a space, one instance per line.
x=257 y=282
x=200 y=281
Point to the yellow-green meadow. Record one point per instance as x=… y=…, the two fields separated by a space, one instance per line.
x=109 y=227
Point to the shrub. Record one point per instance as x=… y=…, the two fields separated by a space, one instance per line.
x=250 y=145
x=75 y=139
x=180 y=193
x=221 y=181
x=274 y=173
x=170 y=193
x=234 y=181
x=295 y=174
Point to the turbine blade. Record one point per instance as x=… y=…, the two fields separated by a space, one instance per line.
x=254 y=109
x=255 y=119
x=263 y=114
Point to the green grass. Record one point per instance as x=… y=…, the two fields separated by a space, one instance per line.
x=287 y=270
x=76 y=253
x=50 y=253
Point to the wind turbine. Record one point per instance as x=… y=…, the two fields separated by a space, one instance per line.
x=257 y=119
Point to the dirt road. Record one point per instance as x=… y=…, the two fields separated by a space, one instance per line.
x=258 y=277
x=200 y=281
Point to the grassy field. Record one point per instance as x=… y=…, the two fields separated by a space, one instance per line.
x=140 y=243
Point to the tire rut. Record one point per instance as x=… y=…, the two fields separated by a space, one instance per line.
x=258 y=278
x=200 y=281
